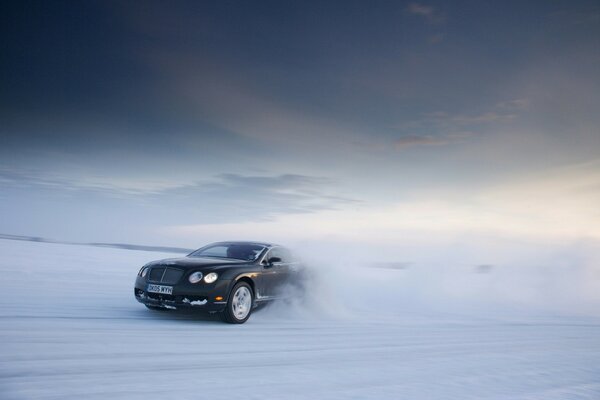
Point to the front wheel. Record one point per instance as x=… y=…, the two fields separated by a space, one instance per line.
x=239 y=305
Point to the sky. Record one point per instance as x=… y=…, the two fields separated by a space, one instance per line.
x=177 y=123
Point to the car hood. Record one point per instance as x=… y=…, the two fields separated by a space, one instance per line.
x=188 y=263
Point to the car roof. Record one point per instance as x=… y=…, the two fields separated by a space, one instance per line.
x=247 y=242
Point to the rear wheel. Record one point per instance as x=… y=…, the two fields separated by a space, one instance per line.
x=239 y=305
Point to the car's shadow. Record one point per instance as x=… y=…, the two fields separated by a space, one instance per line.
x=194 y=316
x=182 y=315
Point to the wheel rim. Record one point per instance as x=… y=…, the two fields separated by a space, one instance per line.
x=242 y=302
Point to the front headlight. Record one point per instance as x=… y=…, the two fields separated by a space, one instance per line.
x=210 y=278
x=195 y=277
x=143 y=272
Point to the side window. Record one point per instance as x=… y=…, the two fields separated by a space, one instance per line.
x=273 y=253
x=282 y=253
x=216 y=251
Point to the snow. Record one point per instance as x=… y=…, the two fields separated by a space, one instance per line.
x=71 y=329
x=195 y=302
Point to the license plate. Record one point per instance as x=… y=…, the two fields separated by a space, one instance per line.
x=160 y=289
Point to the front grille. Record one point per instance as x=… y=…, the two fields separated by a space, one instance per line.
x=172 y=275
x=167 y=275
x=156 y=274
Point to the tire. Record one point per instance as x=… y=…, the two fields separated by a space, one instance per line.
x=239 y=305
x=154 y=308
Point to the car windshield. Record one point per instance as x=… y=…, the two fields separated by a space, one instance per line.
x=237 y=251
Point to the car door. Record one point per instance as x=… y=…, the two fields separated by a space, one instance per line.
x=275 y=273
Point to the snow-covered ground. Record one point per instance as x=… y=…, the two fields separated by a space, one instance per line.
x=71 y=329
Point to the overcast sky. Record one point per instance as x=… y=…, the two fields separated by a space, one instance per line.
x=179 y=122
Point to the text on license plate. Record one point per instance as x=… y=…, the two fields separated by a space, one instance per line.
x=160 y=289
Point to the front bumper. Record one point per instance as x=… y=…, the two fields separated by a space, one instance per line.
x=185 y=296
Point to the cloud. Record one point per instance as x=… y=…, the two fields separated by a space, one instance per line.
x=455 y=124
x=503 y=111
x=110 y=185
x=437 y=38
x=427 y=12
x=430 y=140
x=234 y=197
x=218 y=199
x=278 y=182
x=414 y=140
x=247 y=106
x=558 y=204
x=515 y=104
x=447 y=119
x=486 y=117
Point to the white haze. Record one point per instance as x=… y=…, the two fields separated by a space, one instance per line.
x=491 y=277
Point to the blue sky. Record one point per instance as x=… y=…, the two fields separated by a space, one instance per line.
x=172 y=123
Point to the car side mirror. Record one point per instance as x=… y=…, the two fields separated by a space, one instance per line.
x=273 y=260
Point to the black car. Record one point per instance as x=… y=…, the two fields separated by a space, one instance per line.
x=229 y=278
